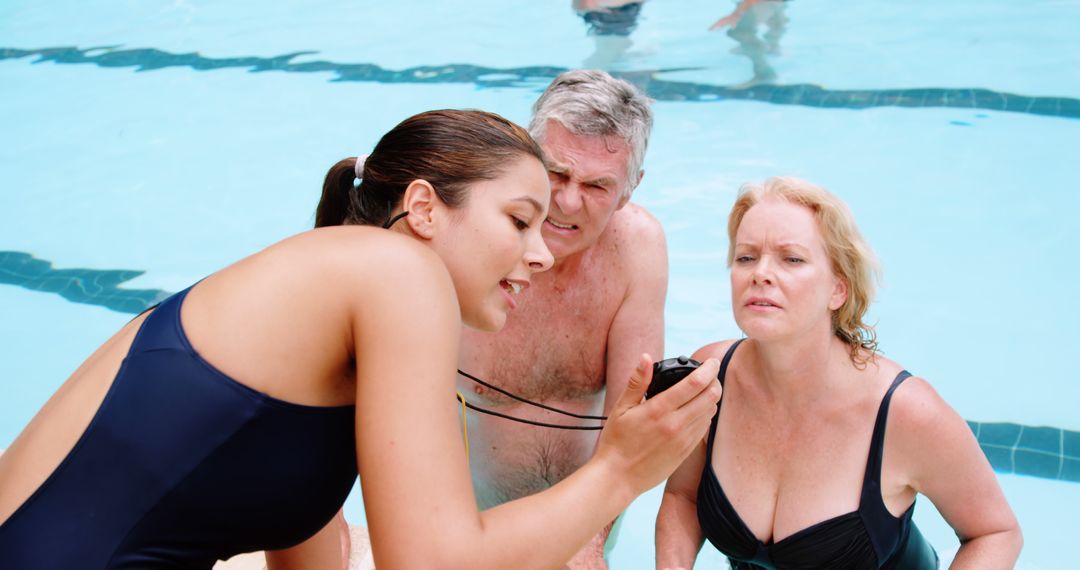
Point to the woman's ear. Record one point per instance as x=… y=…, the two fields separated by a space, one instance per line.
x=422 y=203
x=839 y=295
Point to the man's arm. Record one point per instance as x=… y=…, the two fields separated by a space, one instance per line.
x=638 y=325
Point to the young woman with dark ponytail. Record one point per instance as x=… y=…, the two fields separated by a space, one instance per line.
x=234 y=416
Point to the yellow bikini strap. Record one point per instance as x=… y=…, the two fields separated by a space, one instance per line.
x=464 y=426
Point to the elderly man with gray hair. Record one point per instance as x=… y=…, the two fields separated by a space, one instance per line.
x=567 y=352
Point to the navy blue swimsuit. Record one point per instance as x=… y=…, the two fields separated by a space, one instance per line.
x=869 y=537
x=182 y=466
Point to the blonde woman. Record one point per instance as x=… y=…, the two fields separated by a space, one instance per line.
x=820 y=444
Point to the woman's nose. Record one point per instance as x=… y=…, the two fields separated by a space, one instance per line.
x=538 y=256
x=762 y=272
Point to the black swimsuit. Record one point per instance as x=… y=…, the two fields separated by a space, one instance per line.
x=616 y=21
x=869 y=537
x=182 y=466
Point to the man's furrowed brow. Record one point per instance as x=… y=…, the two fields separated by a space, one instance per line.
x=605 y=182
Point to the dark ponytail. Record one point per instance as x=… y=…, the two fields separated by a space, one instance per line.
x=334 y=205
x=450 y=149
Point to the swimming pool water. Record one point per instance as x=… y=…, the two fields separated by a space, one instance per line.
x=148 y=144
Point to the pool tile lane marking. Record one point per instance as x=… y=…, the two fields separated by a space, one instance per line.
x=88 y=286
x=538 y=76
x=1037 y=451
x=1061 y=446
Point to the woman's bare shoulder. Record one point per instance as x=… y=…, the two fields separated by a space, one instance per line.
x=913 y=399
x=918 y=406
x=359 y=244
x=347 y=254
x=921 y=420
x=713 y=350
x=328 y=275
x=377 y=263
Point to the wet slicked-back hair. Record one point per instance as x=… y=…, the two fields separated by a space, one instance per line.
x=450 y=149
x=851 y=257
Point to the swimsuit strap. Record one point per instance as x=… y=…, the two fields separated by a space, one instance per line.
x=727 y=360
x=877 y=441
x=720 y=376
x=161 y=329
x=886 y=531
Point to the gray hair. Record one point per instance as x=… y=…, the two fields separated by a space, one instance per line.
x=593 y=103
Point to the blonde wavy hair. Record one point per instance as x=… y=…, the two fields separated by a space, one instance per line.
x=851 y=257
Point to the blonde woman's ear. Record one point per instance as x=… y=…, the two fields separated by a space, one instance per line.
x=840 y=294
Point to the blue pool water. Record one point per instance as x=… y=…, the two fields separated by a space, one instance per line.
x=148 y=144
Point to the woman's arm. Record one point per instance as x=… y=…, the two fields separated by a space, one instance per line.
x=948 y=467
x=417 y=492
x=678 y=534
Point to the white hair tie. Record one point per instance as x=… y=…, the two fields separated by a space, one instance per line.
x=359 y=169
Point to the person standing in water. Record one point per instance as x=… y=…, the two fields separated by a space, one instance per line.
x=574 y=341
x=820 y=445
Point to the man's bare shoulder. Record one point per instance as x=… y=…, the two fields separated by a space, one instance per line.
x=633 y=224
x=635 y=236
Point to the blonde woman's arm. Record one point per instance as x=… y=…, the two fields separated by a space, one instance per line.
x=944 y=462
x=678 y=534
